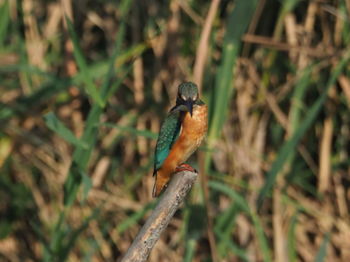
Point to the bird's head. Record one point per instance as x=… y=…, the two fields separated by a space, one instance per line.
x=187 y=95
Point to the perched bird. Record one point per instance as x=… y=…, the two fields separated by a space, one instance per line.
x=180 y=135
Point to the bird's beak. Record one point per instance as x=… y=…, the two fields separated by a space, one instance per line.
x=189 y=105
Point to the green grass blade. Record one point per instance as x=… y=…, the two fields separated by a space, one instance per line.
x=56 y=241
x=58 y=127
x=4 y=21
x=289 y=146
x=134 y=218
x=239 y=252
x=238 y=22
x=292 y=253
x=78 y=54
x=298 y=96
x=105 y=69
x=224 y=226
x=190 y=250
x=259 y=231
x=64 y=252
x=113 y=87
x=47 y=253
x=239 y=199
x=124 y=8
x=243 y=205
x=134 y=51
x=297 y=104
x=51 y=87
x=133 y=131
x=87 y=185
x=223 y=219
x=81 y=156
x=322 y=252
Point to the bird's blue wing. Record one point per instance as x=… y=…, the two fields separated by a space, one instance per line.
x=168 y=134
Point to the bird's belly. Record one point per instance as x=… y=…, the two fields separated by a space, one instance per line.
x=193 y=131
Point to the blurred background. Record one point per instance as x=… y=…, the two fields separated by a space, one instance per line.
x=84 y=86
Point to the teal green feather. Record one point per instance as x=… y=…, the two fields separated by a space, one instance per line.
x=168 y=134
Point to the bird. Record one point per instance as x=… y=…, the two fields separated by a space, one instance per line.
x=181 y=133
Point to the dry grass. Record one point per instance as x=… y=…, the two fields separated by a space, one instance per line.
x=271 y=73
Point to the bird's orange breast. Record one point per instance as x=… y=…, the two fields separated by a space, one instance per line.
x=193 y=130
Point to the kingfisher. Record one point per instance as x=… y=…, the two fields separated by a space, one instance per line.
x=180 y=135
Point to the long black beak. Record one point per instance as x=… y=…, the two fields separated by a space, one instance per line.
x=189 y=105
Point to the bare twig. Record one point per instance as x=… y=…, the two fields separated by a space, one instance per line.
x=282 y=46
x=202 y=50
x=180 y=185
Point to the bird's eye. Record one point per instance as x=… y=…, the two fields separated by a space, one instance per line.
x=183 y=97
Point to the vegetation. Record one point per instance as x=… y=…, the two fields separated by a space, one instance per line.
x=84 y=87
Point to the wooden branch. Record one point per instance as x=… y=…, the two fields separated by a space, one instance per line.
x=169 y=202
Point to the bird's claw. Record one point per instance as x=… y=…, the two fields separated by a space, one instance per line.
x=185 y=167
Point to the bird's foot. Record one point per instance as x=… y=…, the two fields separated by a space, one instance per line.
x=185 y=167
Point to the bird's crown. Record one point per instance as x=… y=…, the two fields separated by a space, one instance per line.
x=188 y=91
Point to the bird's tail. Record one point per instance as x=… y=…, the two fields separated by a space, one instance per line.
x=160 y=183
